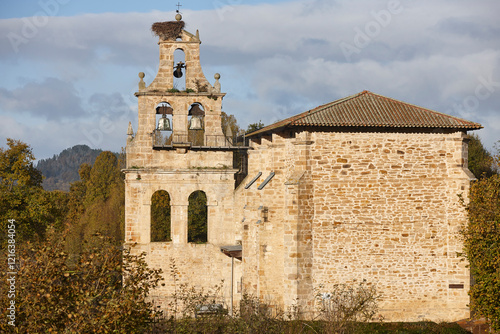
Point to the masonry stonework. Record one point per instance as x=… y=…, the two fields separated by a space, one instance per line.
x=338 y=196
x=181 y=169
x=381 y=207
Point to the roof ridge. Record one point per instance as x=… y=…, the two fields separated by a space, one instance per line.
x=371 y=109
x=323 y=106
x=419 y=107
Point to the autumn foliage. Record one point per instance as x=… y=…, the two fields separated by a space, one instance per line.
x=72 y=274
x=482 y=247
x=104 y=292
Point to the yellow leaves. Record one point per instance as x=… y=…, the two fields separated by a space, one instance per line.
x=482 y=247
x=54 y=299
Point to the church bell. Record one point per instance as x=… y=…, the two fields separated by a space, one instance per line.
x=195 y=123
x=178 y=69
x=164 y=124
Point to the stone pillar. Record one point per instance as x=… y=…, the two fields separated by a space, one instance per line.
x=180 y=125
x=179 y=221
x=291 y=249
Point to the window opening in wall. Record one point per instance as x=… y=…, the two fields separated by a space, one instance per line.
x=197 y=217
x=160 y=216
x=196 y=127
x=163 y=131
x=179 y=70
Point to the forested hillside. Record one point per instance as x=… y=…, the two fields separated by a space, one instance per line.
x=62 y=169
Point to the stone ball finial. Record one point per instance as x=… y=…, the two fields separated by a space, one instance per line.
x=178 y=17
x=217 y=83
x=142 y=84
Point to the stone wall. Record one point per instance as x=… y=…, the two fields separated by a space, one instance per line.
x=199 y=266
x=376 y=206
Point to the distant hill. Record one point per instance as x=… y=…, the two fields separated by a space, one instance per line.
x=62 y=169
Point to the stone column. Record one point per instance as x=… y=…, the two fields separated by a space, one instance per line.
x=180 y=123
x=179 y=219
x=291 y=249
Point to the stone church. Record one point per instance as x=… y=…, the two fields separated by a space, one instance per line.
x=362 y=188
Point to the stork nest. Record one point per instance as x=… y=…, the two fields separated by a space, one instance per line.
x=168 y=30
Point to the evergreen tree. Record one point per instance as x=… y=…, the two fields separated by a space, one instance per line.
x=160 y=216
x=62 y=169
x=104 y=176
x=480 y=161
x=255 y=126
x=97 y=203
x=197 y=217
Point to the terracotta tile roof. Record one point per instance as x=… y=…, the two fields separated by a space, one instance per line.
x=367 y=109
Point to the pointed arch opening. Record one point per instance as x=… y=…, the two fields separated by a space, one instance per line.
x=160 y=217
x=197 y=217
x=179 y=70
x=196 y=121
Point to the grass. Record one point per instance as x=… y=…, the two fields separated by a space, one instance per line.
x=224 y=324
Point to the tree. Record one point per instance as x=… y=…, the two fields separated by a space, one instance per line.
x=196 y=137
x=482 y=247
x=160 y=216
x=481 y=162
x=104 y=292
x=16 y=166
x=76 y=194
x=255 y=126
x=22 y=198
x=103 y=176
x=97 y=202
x=62 y=169
x=197 y=217
x=229 y=122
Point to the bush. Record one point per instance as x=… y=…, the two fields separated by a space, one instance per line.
x=104 y=291
x=482 y=248
x=345 y=305
x=343 y=310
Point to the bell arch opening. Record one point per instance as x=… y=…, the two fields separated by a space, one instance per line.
x=160 y=217
x=179 y=70
x=163 y=130
x=197 y=217
x=196 y=120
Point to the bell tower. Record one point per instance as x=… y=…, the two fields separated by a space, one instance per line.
x=179 y=151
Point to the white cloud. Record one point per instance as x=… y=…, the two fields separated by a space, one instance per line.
x=50 y=99
x=275 y=60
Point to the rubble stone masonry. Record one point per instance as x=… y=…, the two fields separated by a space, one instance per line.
x=380 y=206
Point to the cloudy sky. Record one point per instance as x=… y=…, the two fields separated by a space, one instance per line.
x=69 y=67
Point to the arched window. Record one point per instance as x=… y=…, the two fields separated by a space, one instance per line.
x=160 y=216
x=179 y=70
x=196 y=119
x=163 y=131
x=197 y=217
